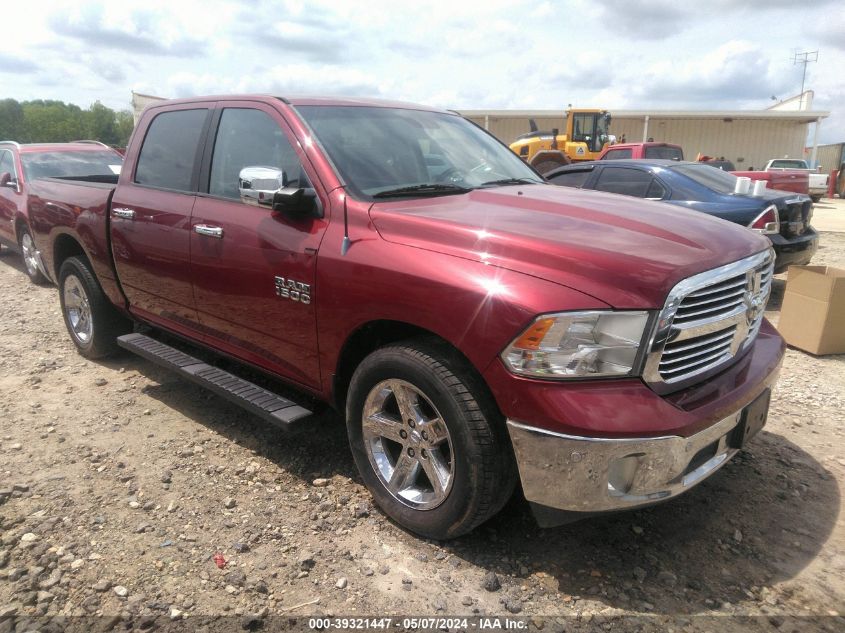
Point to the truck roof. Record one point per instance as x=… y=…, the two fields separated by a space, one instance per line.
x=305 y=100
x=644 y=144
x=84 y=146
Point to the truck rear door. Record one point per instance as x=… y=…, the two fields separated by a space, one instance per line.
x=253 y=268
x=151 y=214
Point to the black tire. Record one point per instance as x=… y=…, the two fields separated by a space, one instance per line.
x=77 y=282
x=483 y=472
x=27 y=247
x=815 y=198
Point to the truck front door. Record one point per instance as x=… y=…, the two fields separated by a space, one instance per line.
x=253 y=268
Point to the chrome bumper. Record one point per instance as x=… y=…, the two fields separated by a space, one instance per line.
x=586 y=474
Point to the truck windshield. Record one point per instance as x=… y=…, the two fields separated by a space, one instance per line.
x=381 y=151
x=70 y=164
x=711 y=177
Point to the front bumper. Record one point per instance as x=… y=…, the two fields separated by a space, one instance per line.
x=794 y=251
x=671 y=442
x=590 y=475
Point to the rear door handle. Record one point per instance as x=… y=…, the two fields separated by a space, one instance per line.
x=123 y=212
x=208 y=231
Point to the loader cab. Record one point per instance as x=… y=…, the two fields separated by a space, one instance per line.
x=589 y=127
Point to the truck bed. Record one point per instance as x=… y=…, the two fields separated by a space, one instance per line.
x=77 y=207
x=786 y=180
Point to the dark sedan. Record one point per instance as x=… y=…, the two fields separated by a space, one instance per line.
x=783 y=217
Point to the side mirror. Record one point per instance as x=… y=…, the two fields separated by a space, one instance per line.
x=6 y=180
x=268 y=187
x=300 y=201
x=258 y=185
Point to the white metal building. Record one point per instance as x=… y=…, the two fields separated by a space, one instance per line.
x=748 y=138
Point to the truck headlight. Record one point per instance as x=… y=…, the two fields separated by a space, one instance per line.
x=579 y=345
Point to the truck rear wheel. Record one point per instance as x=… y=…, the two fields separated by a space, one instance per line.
x=29 y=254
x=427 y=440
x=92 y=322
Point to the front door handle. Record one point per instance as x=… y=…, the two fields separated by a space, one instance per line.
x=208 y=231
x=123 y=212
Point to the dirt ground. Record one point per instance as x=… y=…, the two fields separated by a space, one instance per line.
x=119 y=483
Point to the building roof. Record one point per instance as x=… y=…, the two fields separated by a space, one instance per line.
x=789 y=115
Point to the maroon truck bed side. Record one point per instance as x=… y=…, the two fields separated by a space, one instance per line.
x=796 y=181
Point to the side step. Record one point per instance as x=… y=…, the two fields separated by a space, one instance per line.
x=265 y=404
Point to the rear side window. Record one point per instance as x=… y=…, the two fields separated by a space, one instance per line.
x=614 y=154
x=655 y=191
x=629 y=182
x=170 y=150
x=572 y=178
x=669 y=153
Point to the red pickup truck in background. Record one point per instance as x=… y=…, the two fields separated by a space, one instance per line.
x=795 y=181
x=621 y=151
x=21 y=164
x=474 y=325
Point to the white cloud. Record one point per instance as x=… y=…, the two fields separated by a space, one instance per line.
x=481 y=54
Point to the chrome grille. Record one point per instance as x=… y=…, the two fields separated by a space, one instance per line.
x=680 y=358
x=707 y=321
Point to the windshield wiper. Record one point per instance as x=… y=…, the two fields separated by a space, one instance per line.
x=512 y=181
x=430 y=189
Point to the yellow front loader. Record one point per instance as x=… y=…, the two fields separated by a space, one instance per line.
x=585 y=136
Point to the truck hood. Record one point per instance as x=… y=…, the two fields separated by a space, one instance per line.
x=625 y=252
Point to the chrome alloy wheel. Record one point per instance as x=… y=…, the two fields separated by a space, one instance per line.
x=408 y=444
x=78 y=309
x=30 y=254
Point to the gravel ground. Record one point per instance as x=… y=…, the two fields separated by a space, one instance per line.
x=132 y=496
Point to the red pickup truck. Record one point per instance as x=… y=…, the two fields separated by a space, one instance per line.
x=21 y=164
x=474 y=325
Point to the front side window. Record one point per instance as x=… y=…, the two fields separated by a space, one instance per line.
x=76 y=164
x=170 y=149
x=250 y=138
x=378 y=150
x=629 y=182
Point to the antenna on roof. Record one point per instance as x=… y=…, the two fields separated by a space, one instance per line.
x=344 y=247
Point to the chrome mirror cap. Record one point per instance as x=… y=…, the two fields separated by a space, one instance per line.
x=258 y=185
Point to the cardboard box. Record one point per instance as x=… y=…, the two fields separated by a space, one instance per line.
x=812 y=316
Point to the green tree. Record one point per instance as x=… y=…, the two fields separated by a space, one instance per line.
x=12 y=124
x=50 y=121
x=100 y=124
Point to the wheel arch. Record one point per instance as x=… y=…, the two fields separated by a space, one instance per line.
x=65 y=246
x=373 y=335
x=20 y=223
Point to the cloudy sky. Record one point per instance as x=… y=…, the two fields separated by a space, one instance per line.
x=520 y=54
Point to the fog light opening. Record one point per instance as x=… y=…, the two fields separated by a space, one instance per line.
x=621 y=474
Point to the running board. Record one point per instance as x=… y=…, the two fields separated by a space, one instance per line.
x=265 y=404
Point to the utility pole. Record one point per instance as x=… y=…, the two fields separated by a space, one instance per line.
x=804 y=58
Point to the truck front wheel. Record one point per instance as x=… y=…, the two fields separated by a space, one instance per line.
x=427 y=440
x=91 y=321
